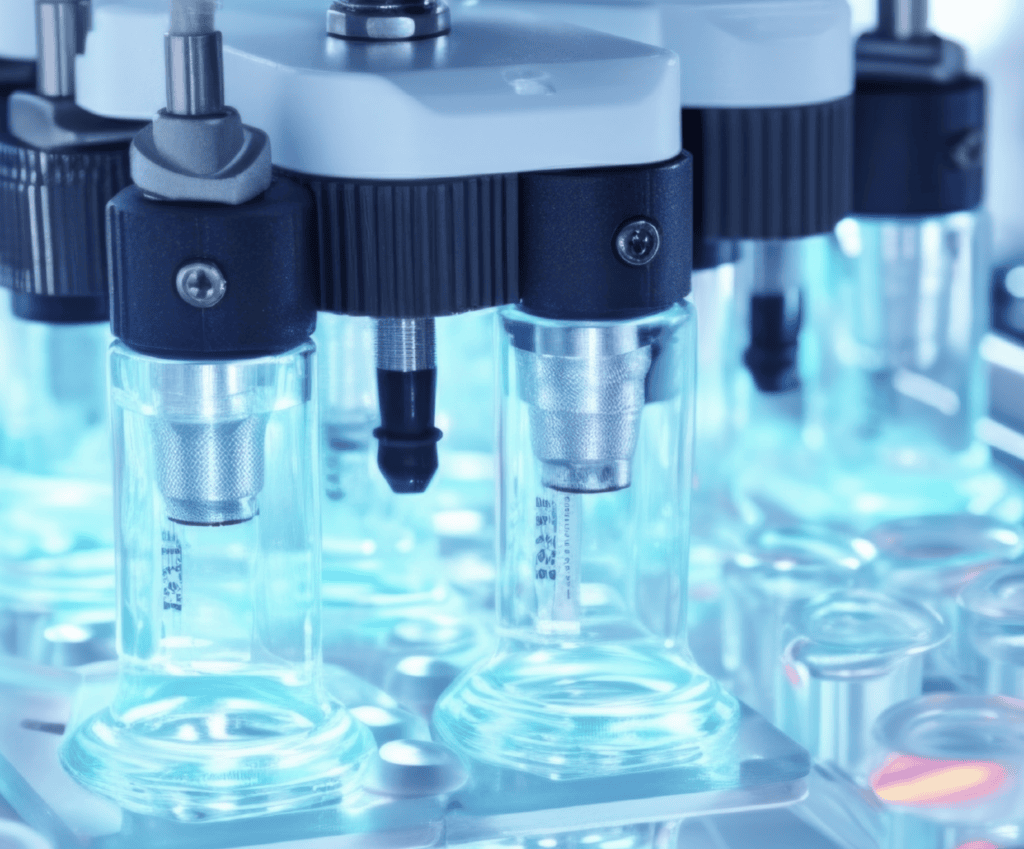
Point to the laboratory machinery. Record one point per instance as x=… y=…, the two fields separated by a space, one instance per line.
x=902 y=320
x=218 y=576
x=59 y=164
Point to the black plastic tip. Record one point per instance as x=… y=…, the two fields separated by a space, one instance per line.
x=60 y=309
x=408 y=464
x=407 y=450
x=774 y=342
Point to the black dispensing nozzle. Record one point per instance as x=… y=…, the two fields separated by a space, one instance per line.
x=774 y=336
x=406 y=390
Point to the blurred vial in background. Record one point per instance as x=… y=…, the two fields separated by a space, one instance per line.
x=947 y=770
x=767 y=584
x=990 y=631
x=56 y=514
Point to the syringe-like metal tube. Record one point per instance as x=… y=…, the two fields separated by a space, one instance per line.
x=407 y=390
x=58 y=35
x=586 y=387
x=209 y=442
x=903 y=19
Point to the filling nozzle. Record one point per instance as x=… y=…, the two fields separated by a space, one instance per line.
x=903 y=47
x=407 y=389
x=208 y=443
x=585 y=387
x=776 y=313
x=903 y=19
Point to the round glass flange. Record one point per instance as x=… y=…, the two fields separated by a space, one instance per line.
x=573 y=712
x=850 y=634
x=952 y=758
x=938 y=555
x=233 y=749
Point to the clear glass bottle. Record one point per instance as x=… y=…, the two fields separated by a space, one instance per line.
x=711 y=533
x=933 y=558
x=850 y=655
x=947 y=769
x=903 y=389
x=219 y=710
x=383 y=581
x=765 y=586
x=56 y=517
x=990 y=631
x=592 y=675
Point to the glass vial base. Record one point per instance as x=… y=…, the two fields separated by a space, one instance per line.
x=574 y=712
x=228 y=757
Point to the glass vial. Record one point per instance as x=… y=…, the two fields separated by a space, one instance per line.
x=765 y=586
x=219 y=710
x=851 y=655
x=56 y=519
x=711 y=533
x=592 y=675
x=947 y=769
x=905 y=389
x=990 y=631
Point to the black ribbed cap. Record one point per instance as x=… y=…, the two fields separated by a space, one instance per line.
x=919 y=146
x=570 y=262
x=416 y=249
x=52 y=240
x=262 y=248
x=773 y=173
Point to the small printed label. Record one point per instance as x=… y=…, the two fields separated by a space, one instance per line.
x=556 y=568
x=170 y=557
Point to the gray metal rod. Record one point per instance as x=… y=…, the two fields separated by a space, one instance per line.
x=903 y=19
x=406 y=344
x=57 y=43
x=195 y=74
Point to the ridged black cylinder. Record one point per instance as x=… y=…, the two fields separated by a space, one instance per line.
x=416 y=249
x=52 y=204
x=569 y=264
x=919 y=146
x=773 y=173
x=263 y=249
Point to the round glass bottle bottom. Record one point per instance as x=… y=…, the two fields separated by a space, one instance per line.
x=583 y=711
x=221 y=747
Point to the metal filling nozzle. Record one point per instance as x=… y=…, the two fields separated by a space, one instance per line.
x=406 y=389
x=585 y=387
x=209 y=443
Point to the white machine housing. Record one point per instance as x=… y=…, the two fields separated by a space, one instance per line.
x=733 y=53
x=495 y=96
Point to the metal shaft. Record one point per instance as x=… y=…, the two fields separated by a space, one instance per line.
x=57 y=39
x=195 y=73
x=903 y=19
x=406 y=344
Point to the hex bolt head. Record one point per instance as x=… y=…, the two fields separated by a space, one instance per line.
x=637 y=241
x=201 y=284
